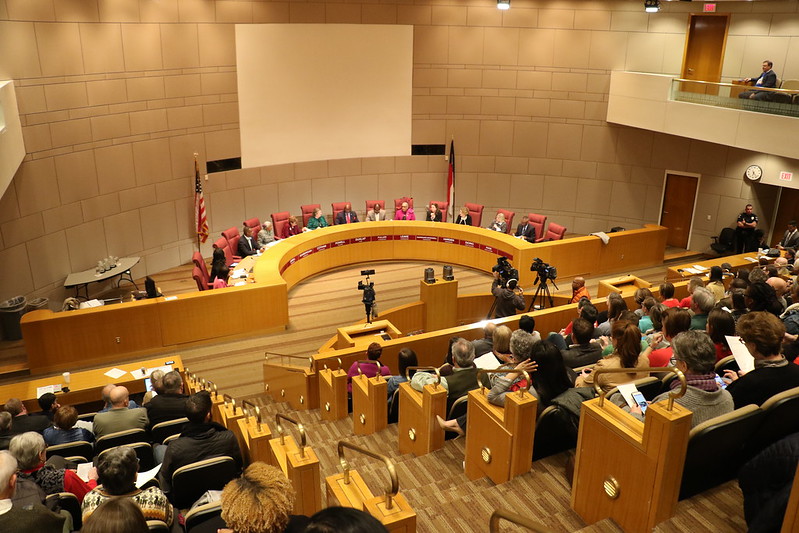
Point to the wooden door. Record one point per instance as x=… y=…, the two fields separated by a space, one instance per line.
x=787 y=210
x=677 y=212
x=704 y=52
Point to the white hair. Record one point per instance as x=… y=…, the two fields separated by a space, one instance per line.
x=26 y=448
x=8 y=465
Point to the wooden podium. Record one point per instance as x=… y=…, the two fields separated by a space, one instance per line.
x=362 y=335
x=369 y=403
x=333 y=393
x=626 y=285
x=300 y=465
x=419 y=433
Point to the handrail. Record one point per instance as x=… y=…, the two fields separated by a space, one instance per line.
x=227 y=397
x=300 y=427
x=504 y=371
x=324 y=365
x=498 y=514
x=358 y=366
x=310 y=359
x=392 y=470
x=438 y=374
x=725 y=84
x=212 y=386
x=674 y=370
x=247 y=413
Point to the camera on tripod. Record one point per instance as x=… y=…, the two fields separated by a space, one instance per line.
x=545 y=271
x=368 y=288
x=505 y=270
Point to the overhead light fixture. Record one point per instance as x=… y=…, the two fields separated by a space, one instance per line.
x=503 y=4
x=651 y=6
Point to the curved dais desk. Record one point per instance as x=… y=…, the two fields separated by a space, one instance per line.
x=56 y=341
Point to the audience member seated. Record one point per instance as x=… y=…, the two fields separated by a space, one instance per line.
x=626 y=354
x=292 y=228
x=616 y=306
x=675 y=321
x=499 y=224
x=767 y=78
x=762 y=334
x=527 y=323
x=22 y=421
x=405 y=212
x=220 y=282
x=116 y=470
x=645 y=323
x=586 y=310
x=693 y=283
x=120 y=417
x=715 y=283
x=780 y=287
x=500 y=343
x=486 y=344
x=738 y=298
x=790 y=318
x=720 y=324
x=376 y=214
x=29 y=451
x=348 y=216
x=758 y=274
x=316 y=221
x=551 y=378
x=156 y=381
x=641 y=294
x=433 y=213
x=579 y=290
x=370 y=370
x=760 y=296
x=261 y=500
x=35 y=518
x=48 y=402
x=464 y=217
x=405 y=358
x=695 y=357
x=171 y=403
x=667 y=293
x=266 y=235
x=218 y=263
x=521 y=344
x=702 y=302
x=525 y=230
x=782 y=267
x=464 y=375
x=248 y=244
x=200 y=439
x=117 y=515
x=583 y=352
x=508 y=296
x=106 y=393
x=5 y=429
x=344 y=520
x=65 y=431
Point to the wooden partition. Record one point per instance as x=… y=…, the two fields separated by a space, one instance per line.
x=299 y=464
x=626 y=285
x=348 y=489
x=369 y=404
x=255 y=435
x=418 y=430
x=499 y=440
x=333 y=393
x=629 y=470
x=68 y=340
x=286 y=382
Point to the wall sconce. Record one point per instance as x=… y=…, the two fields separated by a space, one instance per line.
x=503 y=4
x=651 y=6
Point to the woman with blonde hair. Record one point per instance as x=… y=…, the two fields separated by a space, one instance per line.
x=464 y=217
x=626 y=354
x=499 y=224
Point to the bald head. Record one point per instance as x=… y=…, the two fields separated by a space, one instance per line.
x=107 y=392
x=779 y=285
x=119 y=397
x=781 y=262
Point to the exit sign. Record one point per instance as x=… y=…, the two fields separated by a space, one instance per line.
x=786 y=176
x=709 y=8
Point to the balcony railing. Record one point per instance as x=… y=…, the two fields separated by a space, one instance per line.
x=783 y=102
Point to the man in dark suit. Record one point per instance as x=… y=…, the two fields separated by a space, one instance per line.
x=248 y=245
x=791 y=237
x=525 y=230
x=348 y=216
x=767 y=78
x=171 y=403
x=22 y=421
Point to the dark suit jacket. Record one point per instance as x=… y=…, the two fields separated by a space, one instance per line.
x=769 y=79
x=23 y=423
x=792 y=242
x=166 y=407
x=341 y=218
x=437 y=217
x=528 y=234
x=465 y=221
x=244 y=247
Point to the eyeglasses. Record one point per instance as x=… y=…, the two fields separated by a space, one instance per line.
x=741 y=339
x=673 y=361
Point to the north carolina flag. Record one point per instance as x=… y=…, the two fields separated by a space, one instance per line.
x=451 y=180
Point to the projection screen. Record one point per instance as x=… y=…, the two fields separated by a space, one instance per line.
x=323 y=91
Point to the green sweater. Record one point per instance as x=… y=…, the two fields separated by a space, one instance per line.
x=314 y=223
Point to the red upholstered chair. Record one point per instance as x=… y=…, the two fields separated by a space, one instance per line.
x=232 y=235
x=476 y=212
x=508 y=219
x=222 y=243
x=199 y=262
x=279 y=221
x=555 y=232
x=254 y=224
x=198 y=278
x=538 y=222
x=370 y=204
x=398 y=203
x=338 y=207
x=307 y=212
x=442 y=206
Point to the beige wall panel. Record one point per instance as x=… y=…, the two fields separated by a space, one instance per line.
x=579 y=169
x=159 y=11
x=707 y=204
x=633 y=146
x=528 y=193
x=344 y=167
x=123 y=233
x=62 y=217
x=277 y=173
x=430 y=44
x=594 y=197
x=787 y=25
x=483 y=16
x=9 y=209
x=162 y=260
x=136 y=197
x=99 y=207
x=151 y=121
x=556 y=18
x=180 y=45
x=226 y=209
x=110 y=126
x=564 y=141
x=118 y=10
x=428 y=131
x=466 y=45
x=501 y=46
x=493 y=189
x=343 y=13
x=520 y=18
x=151 y=88
x=30 y=9
x=35 y=182
x=430 y=77
x=500 y=79
x=217 y=45
x=708 y=158
x=167 y=191
x=291 y=195
x=791 y=68
x=361 y=189
x=533 y=107
x=222 y=144
x=511 y=165
x=22 y=229
x=37 y=138
x=315 y=169
x=496 y=137
x=48 y=255
x=16 y=260
x=592 y=20
x=115 y=169
x=453 y=15
x=750 y=24
x=599 y=144
x=378 y=165
x=77 y=178
x=244 y=178
x=608 y=50
x=572 y=48
x=184 y=117
x=719 y=186
x=759 y=48
x=20 y=59
x=466 y=188
x=218 y=82
x=261 y=201
x=158 y=225
x=391 y=186
x=530 y=139
x=407 y=14
x=86 y=244
x=325 y=191
x=427 y=187
x=559 y=193
x=629 y=21
x=234 y=11
x=182 y=85
x=30 y=99
x=568 y=109
x=151 y=161
x=184 y=212
x=102 y=48
x=142 y=46
x=106 y=92
x=645 y=52
x=627 y=200
x=65 y=95
x=537 y=47
x=379 y=14
x=313 y=13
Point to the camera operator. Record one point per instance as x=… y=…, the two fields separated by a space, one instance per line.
x=509 y=296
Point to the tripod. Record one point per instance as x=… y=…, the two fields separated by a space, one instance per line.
x=542 y=290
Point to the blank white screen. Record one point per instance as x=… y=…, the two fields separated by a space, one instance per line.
x=323 y=91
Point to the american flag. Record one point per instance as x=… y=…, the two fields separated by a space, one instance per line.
x=451 y=180
x=200 y=218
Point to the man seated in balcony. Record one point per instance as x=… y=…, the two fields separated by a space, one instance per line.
x=462 y=380
x=120 y=417
x=767 y=78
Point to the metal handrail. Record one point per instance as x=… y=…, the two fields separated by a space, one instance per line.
x=226 y=397
x=392 y=471
x=502 y=514
x=212 y=386
x=324 y=365
x=300 y=427
x=358 y=366
x=438 y=374
x=310 y=359
x=247 y=413
x=672 y=397
x=725 y=84
x=504 y=371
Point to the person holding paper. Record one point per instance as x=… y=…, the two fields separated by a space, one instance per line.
x=761 y=334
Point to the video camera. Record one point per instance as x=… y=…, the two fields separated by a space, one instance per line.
x=505 y=270
x=544 y=271
x=368 y=287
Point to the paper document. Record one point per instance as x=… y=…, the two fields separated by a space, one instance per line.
x=487 y=361
x=144 y=477
x=751 y=259
x=47 y=389
x=91 y=303
x=692 y=271
x=115 y=373
x=627 y=390
x=141 y=373
x=83 y=471
x=700 y=268
x=742 y=356
x=239 y=273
